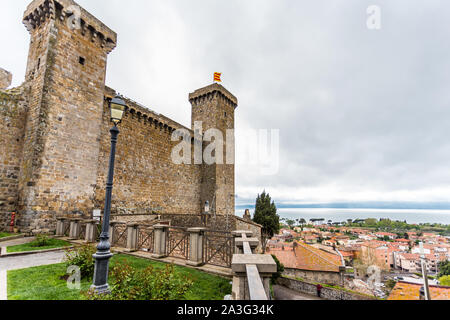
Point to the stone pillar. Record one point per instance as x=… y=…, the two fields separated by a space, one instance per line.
x=91 y=231
x=60 y=227
x=196 y=246
x=132 y=238
x=112 y=225
x=160 y=241
x=74 y=232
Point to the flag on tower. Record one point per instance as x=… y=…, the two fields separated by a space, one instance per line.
x=217 y=77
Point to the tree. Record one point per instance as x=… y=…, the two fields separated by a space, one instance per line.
x=290 y=223
x=266 y=215
x=302 y=221
x=444 y=281
x=444 y=268
x=280 y=269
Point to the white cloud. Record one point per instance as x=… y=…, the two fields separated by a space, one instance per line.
x=363 y=115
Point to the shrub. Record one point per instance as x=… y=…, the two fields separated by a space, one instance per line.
x=42 y=240
x=444 y=281
x=128 y=283
x=280 y=269
x=81 y=256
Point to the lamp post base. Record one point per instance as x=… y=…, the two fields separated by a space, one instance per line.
x=101 y=269
x=101 y=289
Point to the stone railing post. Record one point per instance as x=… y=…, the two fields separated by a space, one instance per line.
x=132 y=238
x=159 y=239
x=253 y=242
x=112 y=237
x=74 y=232
x=196 y=246
x=91 y=231
x=251 y=272
x=60 y=227
x=240 y=234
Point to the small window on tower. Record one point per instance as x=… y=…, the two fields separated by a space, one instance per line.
x=82 y=61
x=225 y=114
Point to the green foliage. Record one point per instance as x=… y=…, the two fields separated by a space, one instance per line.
x=390 y=284
x=444 y=268
x=290 y=223
x=129 y=283
x=266 y=215
x=280 y=269
x=6 y=234
x=42 y=240
x=50 y=283
x=444 y=281
x=51 y=243
x=81 y=256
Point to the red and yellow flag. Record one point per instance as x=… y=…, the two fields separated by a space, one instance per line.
x=217 y=77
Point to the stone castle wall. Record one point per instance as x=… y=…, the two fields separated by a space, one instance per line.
x=56 y=142
x=13 y=115
x=146 y=179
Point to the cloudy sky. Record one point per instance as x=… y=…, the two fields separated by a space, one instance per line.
x=362 y=114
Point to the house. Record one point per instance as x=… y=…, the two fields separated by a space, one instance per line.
x=391 y=236
x=310 y=263
x=412 y=291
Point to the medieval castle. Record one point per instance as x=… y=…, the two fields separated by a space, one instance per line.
x=55 y=139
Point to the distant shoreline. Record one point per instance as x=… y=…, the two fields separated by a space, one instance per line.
x=412 y=216
x=358 y=205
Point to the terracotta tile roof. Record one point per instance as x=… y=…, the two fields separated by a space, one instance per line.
x=410 y=291
x=306 y=257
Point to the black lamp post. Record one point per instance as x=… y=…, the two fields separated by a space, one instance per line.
x=103 y=254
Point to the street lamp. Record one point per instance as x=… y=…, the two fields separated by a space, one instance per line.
x=103 y=254
x=206 y=213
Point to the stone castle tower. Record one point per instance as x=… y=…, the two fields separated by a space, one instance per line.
x=56 y=144
x=214 y=107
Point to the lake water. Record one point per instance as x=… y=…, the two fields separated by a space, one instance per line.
x=339 y=215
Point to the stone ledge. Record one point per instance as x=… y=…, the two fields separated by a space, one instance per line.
x=12 y=238
x=264 y=263
x=253 y=242
x=239 y=233
x=24 y=253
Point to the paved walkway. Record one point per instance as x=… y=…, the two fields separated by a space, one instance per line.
x=283 y=293
x=22 y=262
x=16 y=242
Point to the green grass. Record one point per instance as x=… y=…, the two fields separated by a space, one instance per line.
x=32 y=246
x=6 y=234
x=45 y=283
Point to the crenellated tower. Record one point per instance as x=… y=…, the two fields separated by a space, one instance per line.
x=65 y=79
x=214 y=106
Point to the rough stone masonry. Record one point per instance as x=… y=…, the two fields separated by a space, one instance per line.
x=55 y=138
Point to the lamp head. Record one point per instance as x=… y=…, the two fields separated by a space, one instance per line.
x=118 y=107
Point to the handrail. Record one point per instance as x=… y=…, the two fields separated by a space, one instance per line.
x=255 y=285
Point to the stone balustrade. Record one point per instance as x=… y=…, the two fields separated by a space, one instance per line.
x=251 y=272
x=198 y=246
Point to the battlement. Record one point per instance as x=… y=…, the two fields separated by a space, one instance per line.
x=209 y=91
x=39 y=11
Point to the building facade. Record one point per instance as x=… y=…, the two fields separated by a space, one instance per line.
x=55 y=138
